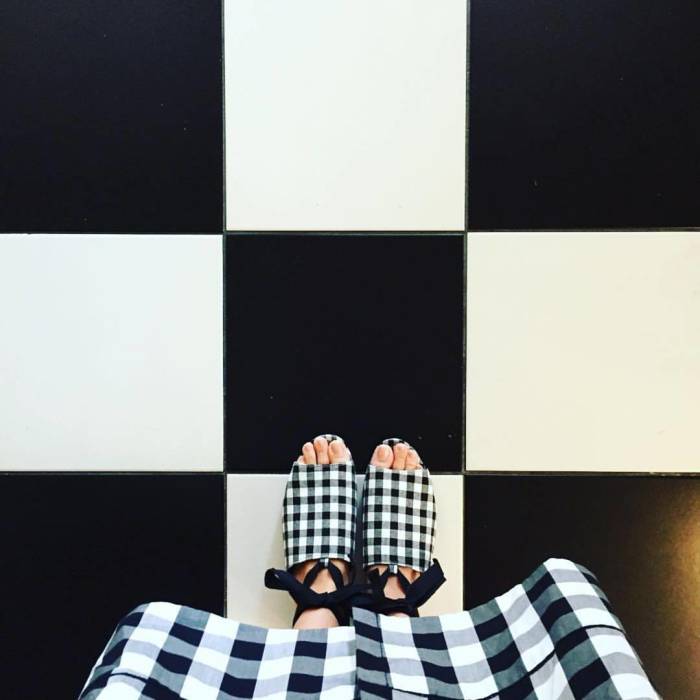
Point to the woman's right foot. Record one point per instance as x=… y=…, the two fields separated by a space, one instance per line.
x=320 y=451
x=400 y=457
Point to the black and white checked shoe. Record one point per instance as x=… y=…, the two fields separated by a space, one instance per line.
x=398 y=510
x=318 y=523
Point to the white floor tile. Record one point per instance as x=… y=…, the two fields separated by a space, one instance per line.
x=111 y=352
x=583 y=351
x=255 y=543
x=345 y=116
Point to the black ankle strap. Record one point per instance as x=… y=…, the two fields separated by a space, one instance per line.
x=416 y=593
x=336 y=601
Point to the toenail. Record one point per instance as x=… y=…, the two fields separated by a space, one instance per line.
x=384 y=452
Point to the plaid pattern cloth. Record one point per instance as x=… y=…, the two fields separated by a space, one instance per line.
x=552 y=637
x=398 y=512
x=318 y=520
x=166 y=652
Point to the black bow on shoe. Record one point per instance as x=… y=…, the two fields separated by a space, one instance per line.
x=416 y=593
x=305 y=597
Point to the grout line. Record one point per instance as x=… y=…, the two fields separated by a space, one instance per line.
x=225 y=526
x=582 y=473
x=465 y=358
x=464 y=544
x=223 y=301
x=434 y=473
x=349 y=232
x=223 y=417
x=110 y=472
x=652 y=474
x=224 y=347
x=465 y=294
x=110 y=233
x=465 y=249
x=666 y=229
x=467 y=116
x=223 y=116
x=291 y=233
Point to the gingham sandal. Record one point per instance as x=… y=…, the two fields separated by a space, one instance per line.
x=398 y=509
x=318 y=522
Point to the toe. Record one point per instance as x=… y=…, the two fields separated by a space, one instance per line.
x=338 y=450
x=309 y=453
x=412 y=459
x=400 y=452
x=382 y=456
x=321 y=446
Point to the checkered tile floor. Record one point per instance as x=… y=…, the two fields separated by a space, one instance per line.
x=256 y=222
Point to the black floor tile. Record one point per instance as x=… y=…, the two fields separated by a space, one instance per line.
x=80 y=551
x=584 y=115
x=355 y=335
x=112 y=117
x=639 y=535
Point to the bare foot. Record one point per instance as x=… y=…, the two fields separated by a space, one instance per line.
x=321 y=452
x=400 y=457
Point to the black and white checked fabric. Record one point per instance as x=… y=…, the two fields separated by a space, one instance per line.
x=165 y=651
x=552 y=637
x=319 y=511
x=398 y=512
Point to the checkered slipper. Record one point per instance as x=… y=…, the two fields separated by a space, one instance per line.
x=318 y=523
x=398 y=509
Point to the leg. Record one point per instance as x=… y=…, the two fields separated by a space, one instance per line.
x=320 y=452
x=399 y=458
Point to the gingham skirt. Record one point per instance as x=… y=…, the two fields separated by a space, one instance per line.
x=553 y=636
